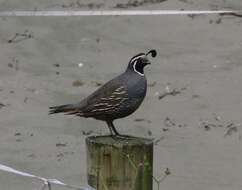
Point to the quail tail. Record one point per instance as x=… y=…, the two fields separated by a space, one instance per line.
x=68 y=108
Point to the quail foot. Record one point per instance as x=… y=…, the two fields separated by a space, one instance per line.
x=117 y=98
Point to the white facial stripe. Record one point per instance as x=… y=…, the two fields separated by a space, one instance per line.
x=134 y=65
x=134 y=59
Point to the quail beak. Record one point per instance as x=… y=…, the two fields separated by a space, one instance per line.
x=146 y=61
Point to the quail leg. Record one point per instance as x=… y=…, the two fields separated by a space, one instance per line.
x=114 y=132
x=112 y=129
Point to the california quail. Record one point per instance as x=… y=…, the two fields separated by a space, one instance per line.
x=117 y=98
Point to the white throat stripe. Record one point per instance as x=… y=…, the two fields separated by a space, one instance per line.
x=134 y=65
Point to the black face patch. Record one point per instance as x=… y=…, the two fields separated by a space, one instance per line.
x=139 y=66
x=137 y=63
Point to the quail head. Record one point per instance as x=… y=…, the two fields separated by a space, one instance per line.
x=117 y=98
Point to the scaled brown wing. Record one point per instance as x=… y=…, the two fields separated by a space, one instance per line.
x=105 y=100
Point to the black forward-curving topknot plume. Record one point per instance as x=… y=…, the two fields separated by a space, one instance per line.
x=152 y=52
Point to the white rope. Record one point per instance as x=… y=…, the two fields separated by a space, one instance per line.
x=46 y=182
x=114 y=12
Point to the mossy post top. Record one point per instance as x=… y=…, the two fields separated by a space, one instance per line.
x=119 y=141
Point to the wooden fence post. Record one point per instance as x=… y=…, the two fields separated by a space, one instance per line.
x=119 y=163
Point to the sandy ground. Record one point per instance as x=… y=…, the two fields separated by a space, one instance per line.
x=199 y=129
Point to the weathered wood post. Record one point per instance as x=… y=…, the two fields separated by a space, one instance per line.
x=117 y=163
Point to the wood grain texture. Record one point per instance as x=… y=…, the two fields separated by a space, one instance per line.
x=120 y=163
